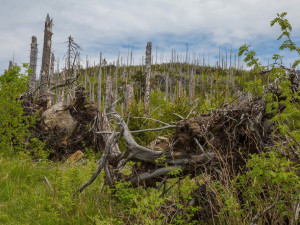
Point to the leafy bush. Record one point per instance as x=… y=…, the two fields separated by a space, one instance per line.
x=14 y=124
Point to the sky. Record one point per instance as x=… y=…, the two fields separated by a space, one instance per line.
x=117 y=27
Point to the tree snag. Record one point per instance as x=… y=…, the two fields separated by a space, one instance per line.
x=148 y=76
x=33 y=63
x=45 y=62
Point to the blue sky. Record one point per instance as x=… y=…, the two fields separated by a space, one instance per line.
x=111 y=26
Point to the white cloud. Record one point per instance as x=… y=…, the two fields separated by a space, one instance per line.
x=109 y=26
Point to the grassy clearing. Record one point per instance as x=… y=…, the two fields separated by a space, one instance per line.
x=25 y=197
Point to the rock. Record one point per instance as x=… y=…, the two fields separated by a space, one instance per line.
x=59 y=119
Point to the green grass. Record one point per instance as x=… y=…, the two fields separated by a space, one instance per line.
x=25 y=197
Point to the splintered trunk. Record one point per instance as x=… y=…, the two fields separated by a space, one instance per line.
x=108 y=95
x=148 y=76
x=33 y=63
x=46 y=61
x=99 y=83
x=51 y=80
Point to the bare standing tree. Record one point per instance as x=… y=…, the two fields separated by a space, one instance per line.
x=167 y=87
x=51 y=80
x=46 y=61
x=85 y=73
x=99 y=83
x=192 y=88
x=129 y=95
x=62 y=95
x=57 y=80
x=72 y=55
x=116 y=75
x=148 y=76
x=33 y=63
x=108 y=94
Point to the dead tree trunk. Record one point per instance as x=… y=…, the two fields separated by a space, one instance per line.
x=129 y=96
x=85 y=74
x=192 y=88
x=45 y=61
x=99 y=83
x=148 y=76
x=51 y=80
x=167 y=87
x=57 y=81
x=116 y=77
x=69 y=56
x=62 y=97
x=33 y=63
x=108 y=94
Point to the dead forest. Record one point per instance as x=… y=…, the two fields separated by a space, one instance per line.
x=161 y=121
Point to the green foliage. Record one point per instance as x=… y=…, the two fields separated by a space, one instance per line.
x=283 y=104
x=286 y=29
x=269 y=175
x=249 y=56
x=14 y=126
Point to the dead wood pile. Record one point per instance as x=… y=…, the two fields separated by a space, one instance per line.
x=217 y=143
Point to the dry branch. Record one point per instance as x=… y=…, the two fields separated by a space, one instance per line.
x=139 y=131
x=109 y=144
